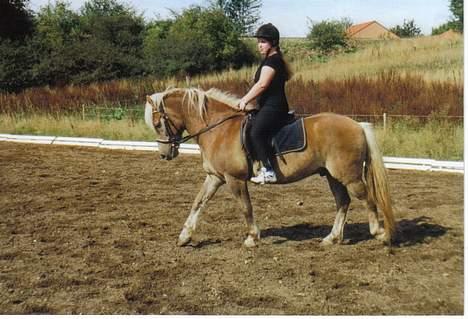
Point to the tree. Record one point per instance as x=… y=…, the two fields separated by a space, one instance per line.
x=245 y=14
x=16 y=20
x=17 y=52
x=198 y=40
x=329 y=36
x=102 y=41
x=456 y=6
x=158 y=29
x=456 y=23
x=407 y=30
x=57 y=24
x=17 y=59
x=114 y=22
x=442 y=28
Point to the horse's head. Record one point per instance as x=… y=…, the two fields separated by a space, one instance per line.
x=165 y=120
x=164 y=113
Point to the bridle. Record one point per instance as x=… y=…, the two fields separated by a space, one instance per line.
x=172 y=132
x=174 y=137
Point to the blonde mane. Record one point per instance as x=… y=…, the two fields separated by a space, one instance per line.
x=196 y=98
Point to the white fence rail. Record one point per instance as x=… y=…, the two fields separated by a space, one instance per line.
x=390 y=162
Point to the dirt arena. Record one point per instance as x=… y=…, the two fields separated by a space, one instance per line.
x=88 y=231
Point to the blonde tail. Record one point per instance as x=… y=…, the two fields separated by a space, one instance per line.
x=376 y=180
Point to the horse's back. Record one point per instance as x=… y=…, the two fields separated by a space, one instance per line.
x=326 y=126
x=339 y=141
x=333 y=119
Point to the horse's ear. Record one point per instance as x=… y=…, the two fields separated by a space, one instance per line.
x=150 y=100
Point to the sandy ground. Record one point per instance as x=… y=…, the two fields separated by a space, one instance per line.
x=94 y=232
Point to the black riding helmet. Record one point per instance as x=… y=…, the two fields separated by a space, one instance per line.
x=270 y=32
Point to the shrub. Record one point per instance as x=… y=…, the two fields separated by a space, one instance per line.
x=104 y=42
x=408 y=30
x=197 y=41
x=329 y=36
x=17 y=69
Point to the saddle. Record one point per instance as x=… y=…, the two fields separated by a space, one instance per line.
x=290 y=138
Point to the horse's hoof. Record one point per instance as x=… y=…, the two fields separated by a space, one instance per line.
x=383 y=238
x=184 y=238
x=326 y=242
x=250 y=242
x=183 y=242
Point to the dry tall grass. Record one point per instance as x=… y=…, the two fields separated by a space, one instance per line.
x=431 y=58
x=388 y=92
x=412 y=76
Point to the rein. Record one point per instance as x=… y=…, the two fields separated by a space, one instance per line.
x=206 y=129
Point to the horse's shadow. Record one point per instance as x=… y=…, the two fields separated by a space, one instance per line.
x=409 y=232
x=299 y=232
x=203 y=243
x=418 y=230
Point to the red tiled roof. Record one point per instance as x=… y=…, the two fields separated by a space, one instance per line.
x=358 y=27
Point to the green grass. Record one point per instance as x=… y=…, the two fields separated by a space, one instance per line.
x=436 y=139
x=75 y=126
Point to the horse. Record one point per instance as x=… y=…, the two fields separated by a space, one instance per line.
x=337 y=147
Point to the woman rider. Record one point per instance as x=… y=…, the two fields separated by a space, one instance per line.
x=269 y=92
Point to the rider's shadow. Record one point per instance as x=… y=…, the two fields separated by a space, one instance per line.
x=409 y=232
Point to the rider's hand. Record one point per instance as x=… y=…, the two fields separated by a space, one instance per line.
x=242 y=105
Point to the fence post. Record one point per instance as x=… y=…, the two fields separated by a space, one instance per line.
x=83 y=111
x=385 y=122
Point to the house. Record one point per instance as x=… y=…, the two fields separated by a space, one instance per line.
x=371 y=30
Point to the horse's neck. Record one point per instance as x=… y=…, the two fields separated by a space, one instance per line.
x=215 y=112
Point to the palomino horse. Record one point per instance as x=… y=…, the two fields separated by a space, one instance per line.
x=337 y=147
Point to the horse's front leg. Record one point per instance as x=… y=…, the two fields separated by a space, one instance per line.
x=241 y=193
x=209 y=188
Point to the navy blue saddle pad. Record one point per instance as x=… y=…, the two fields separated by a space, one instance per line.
x=291 y=138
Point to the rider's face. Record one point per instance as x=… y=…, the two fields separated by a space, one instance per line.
x=263 y=46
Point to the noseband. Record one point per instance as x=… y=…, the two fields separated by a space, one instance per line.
x=174 y=138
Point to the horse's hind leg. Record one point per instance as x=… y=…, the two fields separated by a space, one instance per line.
x=358 y=189
x=241 y=193
x=374 y=226
x=209 y=188
x=342 y=203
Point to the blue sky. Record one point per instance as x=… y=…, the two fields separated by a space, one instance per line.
x=291 y=16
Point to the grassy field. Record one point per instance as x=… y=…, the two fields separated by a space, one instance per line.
x=418 y=77
x=432 y=58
